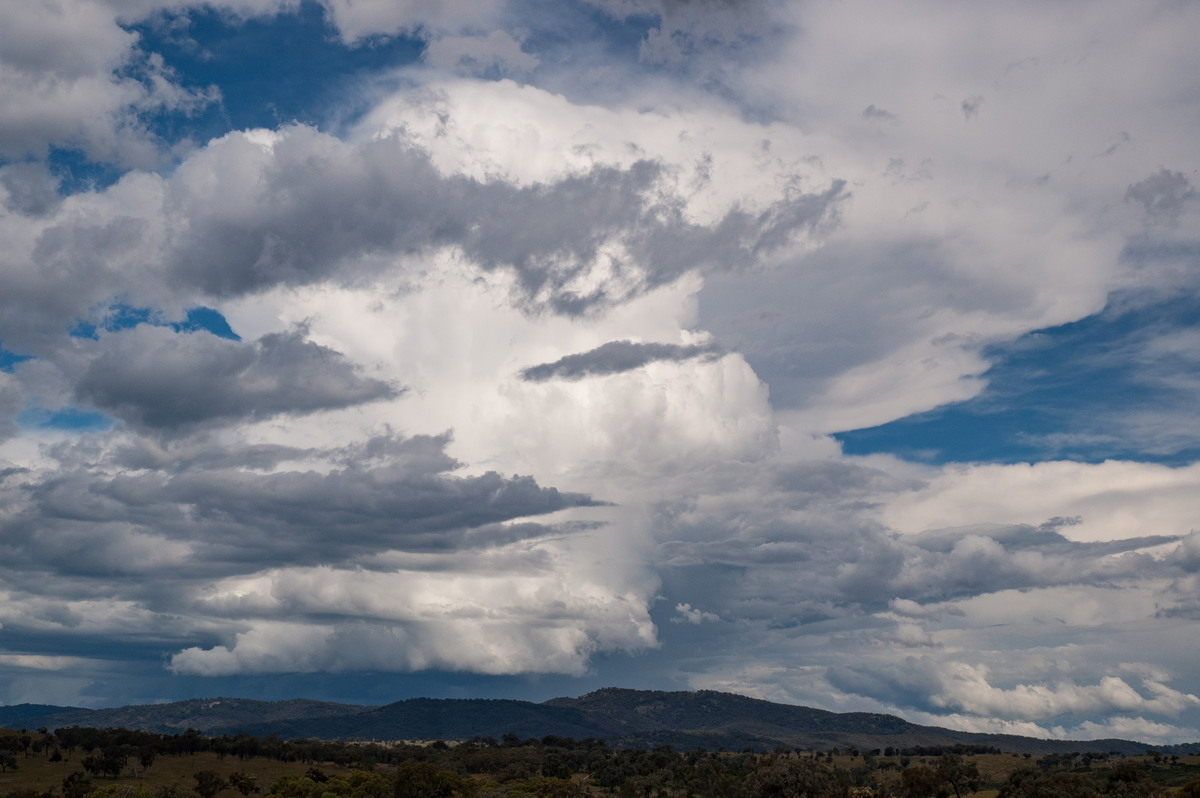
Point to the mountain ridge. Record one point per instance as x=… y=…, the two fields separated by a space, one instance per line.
x=622 y=717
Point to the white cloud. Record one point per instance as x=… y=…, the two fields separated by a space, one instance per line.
x=966 y=687
x=66 y=81
x=486 y=622
x=1113 y=500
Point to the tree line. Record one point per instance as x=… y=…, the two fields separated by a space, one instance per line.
x=96 y=760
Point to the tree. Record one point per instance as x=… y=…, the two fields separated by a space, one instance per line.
x=962 y=776
x=922 y=781
x=792 y=778
x=243 y=783
x=76 y=785
x=1030 y=783
x=208 y=783
x=425 y=780
x=8 y=761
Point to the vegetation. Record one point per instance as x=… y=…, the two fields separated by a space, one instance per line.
x=79 y=762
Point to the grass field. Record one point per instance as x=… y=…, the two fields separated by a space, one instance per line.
x=38 y=773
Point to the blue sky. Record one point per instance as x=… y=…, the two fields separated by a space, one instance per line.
x=1062 y=393
x=361 y=351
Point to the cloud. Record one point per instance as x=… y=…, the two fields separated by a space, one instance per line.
x=497 y=623
x=640 y=286
x=74 y=78
x=357 y=20
x=689 y=30
x=156 y=379
x=207 y=517
x=30 y=189
x=689 y=614
x=1099 y=494
x=959 y=687
x=257 y=210
x=497 y=53
x=1163 y=195
x=878 y=114
x=613 y=357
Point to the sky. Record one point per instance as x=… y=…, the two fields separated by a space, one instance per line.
x=841 y=353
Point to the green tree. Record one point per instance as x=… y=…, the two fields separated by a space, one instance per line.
x=76 y=785
x=425 y=780
x=960 y=774
x=244 y=783
x=208 y=783
x=791 y=778
x=1030 y=783
x=922 y=781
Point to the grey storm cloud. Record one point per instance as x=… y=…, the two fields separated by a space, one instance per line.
x=224 y=520
x=317 y=203
x=155 y=378
x=1163 y=195
x=613 y=357
x=808 y=546
x=236 y=218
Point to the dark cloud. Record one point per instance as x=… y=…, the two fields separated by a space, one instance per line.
x=613 y=357
x=154 y=378
x=318 y=202
x=1163 y=195
x=807 y=548
x=186 y=521
x=878 y=114
x=911 y=682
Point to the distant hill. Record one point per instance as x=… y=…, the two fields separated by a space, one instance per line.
x=626 y=718
x=19 y=716
x=209 y=715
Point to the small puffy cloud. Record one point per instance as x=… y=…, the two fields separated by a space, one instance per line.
x=872 y=113
x=689 y=614
x=613 y=357
x=158 y=379
x=970 y=106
